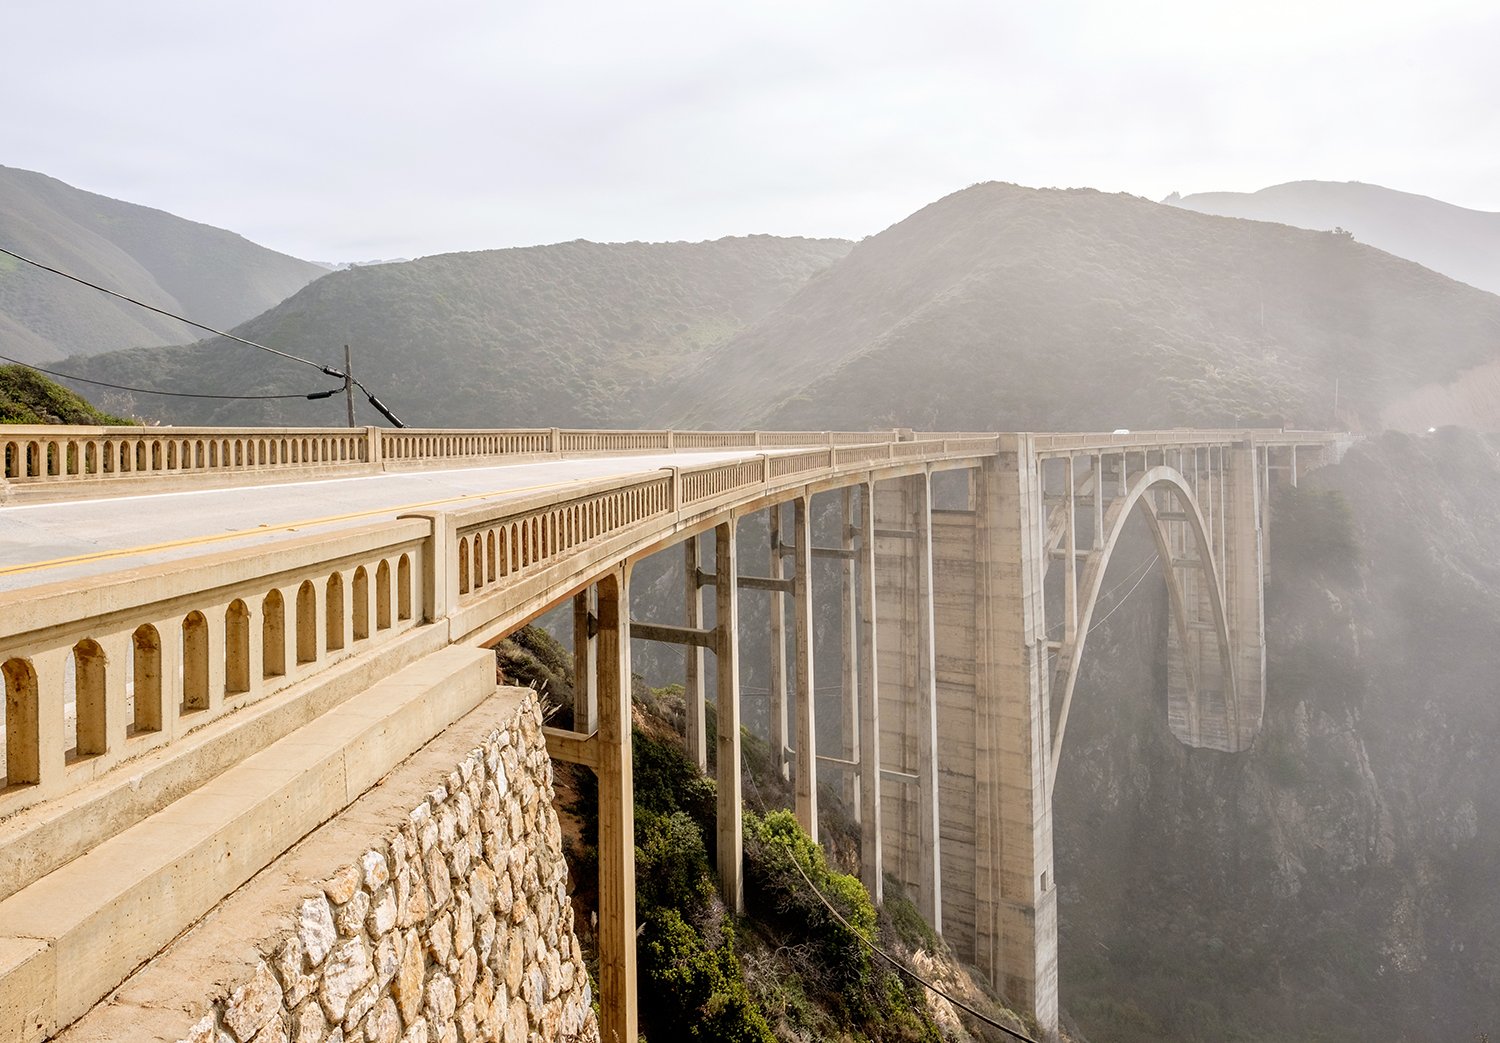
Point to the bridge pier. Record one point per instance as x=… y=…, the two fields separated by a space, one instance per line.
x=1015 y=890
x=618 y=1008
x=806 y=715
x=731 y=839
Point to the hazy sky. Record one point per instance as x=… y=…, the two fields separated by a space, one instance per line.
x=346 y=131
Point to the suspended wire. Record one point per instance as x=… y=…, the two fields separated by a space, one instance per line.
x=1143 y=563
x=877 y=950
x=1154 y=559
x=327 y=370
x=163 y=311
x=152 y=391
x=888 y=958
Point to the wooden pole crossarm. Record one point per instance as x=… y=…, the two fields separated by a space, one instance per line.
x=674 y=635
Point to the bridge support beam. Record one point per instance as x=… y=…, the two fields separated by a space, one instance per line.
x=806 y=714
x=777 y=686
x=730 y=788
x=693 y=693
x=908 y=709
x=871 y=863
x=1015 y=891
x=585 y=662
x=618 y=1017
x=848 y=648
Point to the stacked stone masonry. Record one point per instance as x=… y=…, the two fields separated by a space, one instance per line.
x=456 y=928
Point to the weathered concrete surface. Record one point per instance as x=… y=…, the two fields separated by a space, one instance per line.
x=433 y=907
x=116 y=906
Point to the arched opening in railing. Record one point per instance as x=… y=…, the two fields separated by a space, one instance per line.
x=236 y=648
x=89 y=727
x=307 y=623
x=273 y=635
x=334 y=613
x=145 y=675
x=360 y=592
x=23 y=754
x=463 y=565
x=383 y=595
x=403 y=588
x=194 y=662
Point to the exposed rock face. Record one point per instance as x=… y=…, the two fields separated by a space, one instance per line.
x=455 y=927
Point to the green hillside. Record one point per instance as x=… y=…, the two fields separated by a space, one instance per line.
x=208 y=274
x=576 y=333
x=1461 y=243
x=1003 y=308
x=28 y=397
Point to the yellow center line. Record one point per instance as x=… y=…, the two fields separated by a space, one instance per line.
x=219 y=537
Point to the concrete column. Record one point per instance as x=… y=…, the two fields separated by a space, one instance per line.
x=617 y=965
x=1098 y=501
x=731 y=798
x=777 y=706
x=871 y=860
x=586 y=665
x=849 y=650
x=694 y=694
x=807 y=735
x=1070 y=552
x=1016 y=895
x=929 y=847
x=1244 y=597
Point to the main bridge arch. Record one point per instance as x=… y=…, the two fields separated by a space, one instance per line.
x=1203 y=697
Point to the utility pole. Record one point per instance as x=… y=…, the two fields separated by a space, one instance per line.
x=349 y=383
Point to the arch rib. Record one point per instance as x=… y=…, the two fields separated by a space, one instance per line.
x=1071 y=653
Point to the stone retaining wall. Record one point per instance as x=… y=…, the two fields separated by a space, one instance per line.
x=454 y=927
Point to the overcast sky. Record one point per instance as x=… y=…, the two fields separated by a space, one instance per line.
x=350 y=131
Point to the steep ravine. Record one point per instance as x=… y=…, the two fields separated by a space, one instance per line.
x=1339 y=881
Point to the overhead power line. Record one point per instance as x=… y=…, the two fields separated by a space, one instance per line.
x=888 y=958
x=328 y=370
x=153 y=391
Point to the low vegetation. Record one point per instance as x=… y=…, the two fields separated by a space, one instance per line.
x=28 y=397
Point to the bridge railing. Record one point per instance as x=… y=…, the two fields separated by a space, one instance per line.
x=42 y=458
x=52 y=454
x=142 y=658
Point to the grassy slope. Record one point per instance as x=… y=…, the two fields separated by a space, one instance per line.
x=208 y=274
x=28 y=397
x=1002 y=307
x=576 y=333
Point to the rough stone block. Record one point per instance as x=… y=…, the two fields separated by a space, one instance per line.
x=254 y=1004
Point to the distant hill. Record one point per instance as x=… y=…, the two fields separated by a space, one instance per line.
x=28 y=397
x=205 y=273
x=1462 y=244
x=1004 y=308
x=575 y=333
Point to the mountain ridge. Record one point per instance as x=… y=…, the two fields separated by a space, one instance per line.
x=209 y=274
x=1459 y=242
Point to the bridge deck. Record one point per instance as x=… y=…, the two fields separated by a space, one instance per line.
x=54 y=542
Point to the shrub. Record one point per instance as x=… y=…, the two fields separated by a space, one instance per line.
x=775 y=846
x=693 y=991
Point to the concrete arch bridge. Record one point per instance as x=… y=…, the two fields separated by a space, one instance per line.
x=178 y=604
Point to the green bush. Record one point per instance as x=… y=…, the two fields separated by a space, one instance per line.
x=692 y=991
x=671 y=862
x=775 y=846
